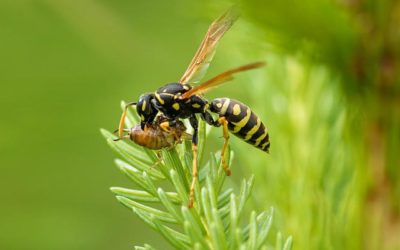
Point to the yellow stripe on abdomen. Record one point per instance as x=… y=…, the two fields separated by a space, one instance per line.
x=225 y=106
x=240 y=124
x=259 y=139
x=251 y=132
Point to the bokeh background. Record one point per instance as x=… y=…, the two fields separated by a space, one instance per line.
x=329 y=95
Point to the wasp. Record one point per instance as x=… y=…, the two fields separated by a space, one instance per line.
x=180 y=100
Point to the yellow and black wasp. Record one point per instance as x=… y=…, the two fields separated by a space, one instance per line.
x=180 y=100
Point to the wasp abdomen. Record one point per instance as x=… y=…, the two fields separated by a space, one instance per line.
x=242 y=122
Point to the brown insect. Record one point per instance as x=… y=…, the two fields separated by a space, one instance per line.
x=159 y=134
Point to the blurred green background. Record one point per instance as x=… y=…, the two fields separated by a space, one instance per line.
x=329 y=96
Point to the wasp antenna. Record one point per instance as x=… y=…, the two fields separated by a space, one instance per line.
x=130 y=104
x=122 y=120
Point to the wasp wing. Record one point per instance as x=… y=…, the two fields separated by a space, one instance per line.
x=202 y=59
x=220 y=79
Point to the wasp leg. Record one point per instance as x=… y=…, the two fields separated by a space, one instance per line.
x=194 y=123
x=222 y=120
x=122 y=120
x=165 y=126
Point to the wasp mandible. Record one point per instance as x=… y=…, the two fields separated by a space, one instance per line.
x=180 y=100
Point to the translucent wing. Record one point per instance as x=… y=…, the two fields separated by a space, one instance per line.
x=201 y=60
x=220 y=79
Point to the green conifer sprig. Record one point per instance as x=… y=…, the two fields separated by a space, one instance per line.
x=218 y=219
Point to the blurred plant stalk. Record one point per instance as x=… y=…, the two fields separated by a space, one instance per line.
x=358 y=40
x=376 y=73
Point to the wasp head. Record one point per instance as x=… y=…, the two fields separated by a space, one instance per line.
x=145 y=109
